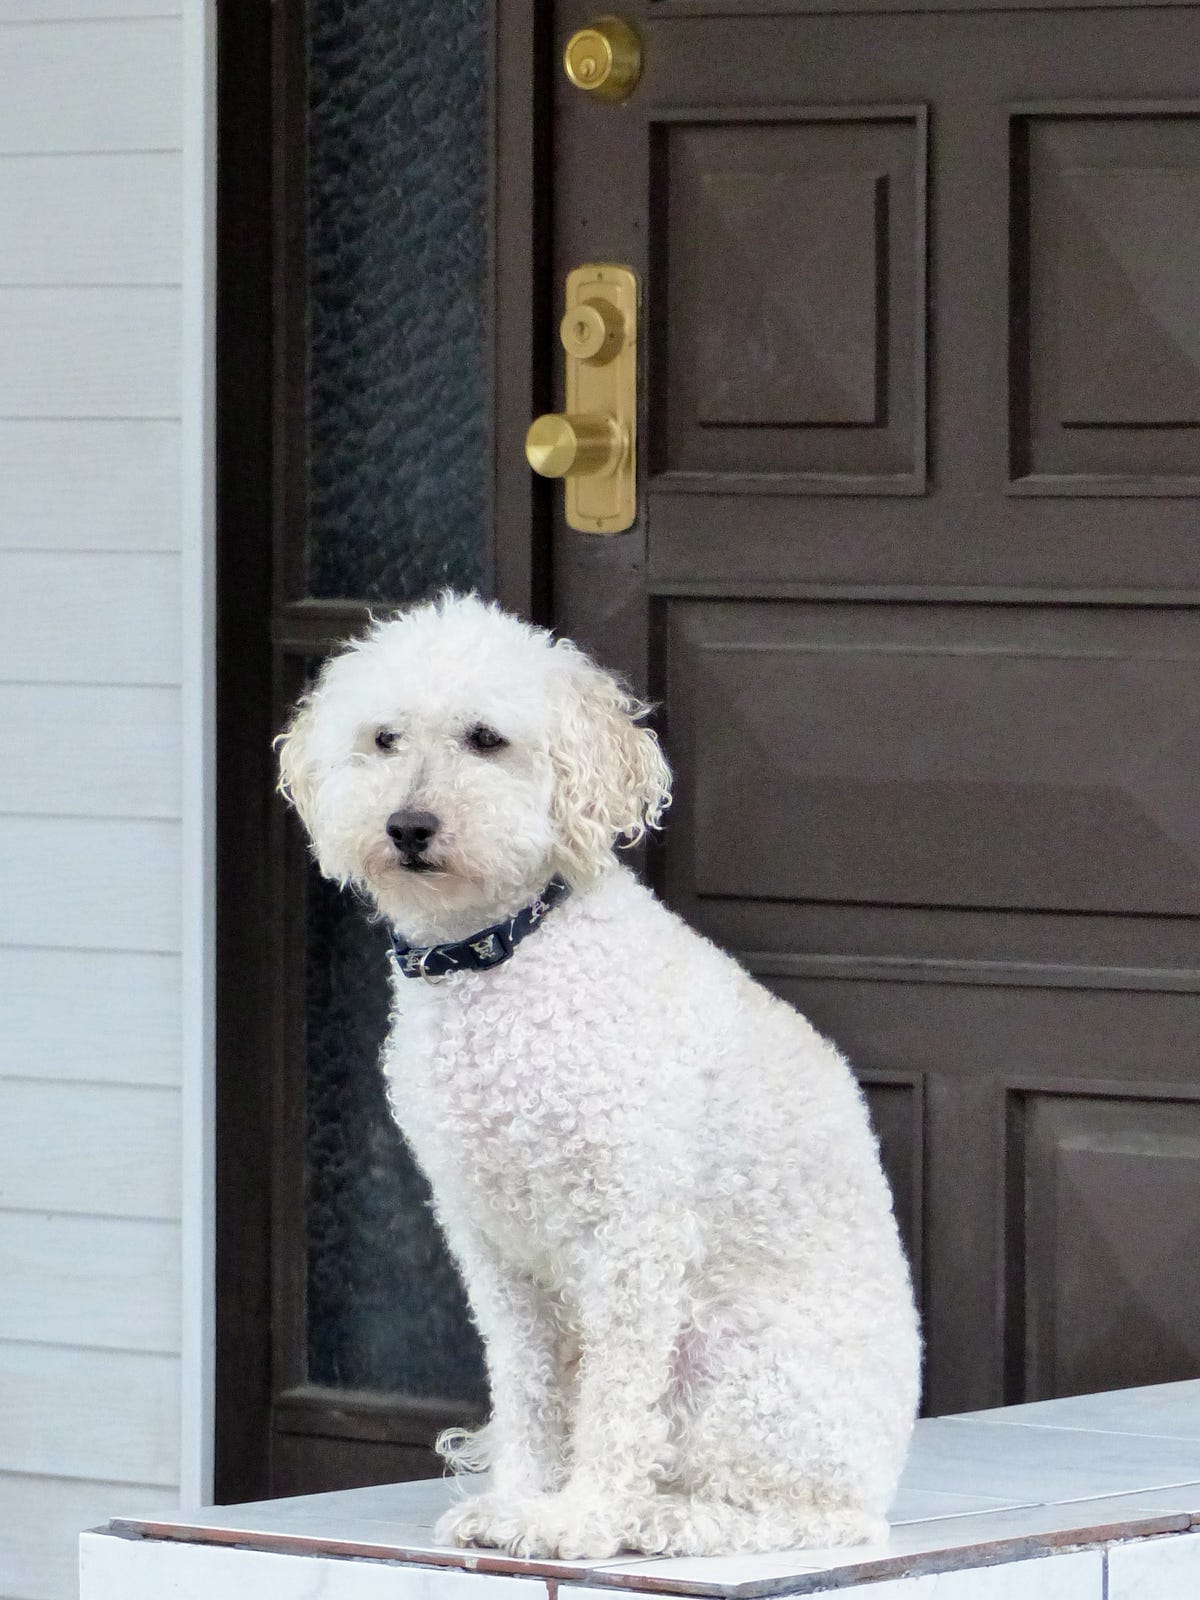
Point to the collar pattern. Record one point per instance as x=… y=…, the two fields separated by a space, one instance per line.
x=481 y=951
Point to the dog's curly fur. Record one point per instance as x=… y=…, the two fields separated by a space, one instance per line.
x=658 y=1180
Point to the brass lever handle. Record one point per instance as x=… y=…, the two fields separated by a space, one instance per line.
x=591 y=443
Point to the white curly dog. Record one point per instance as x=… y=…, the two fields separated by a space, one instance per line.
x=658 y=1180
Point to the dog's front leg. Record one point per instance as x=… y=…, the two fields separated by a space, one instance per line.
x=525 y=1443
x=630 y=1322
x=527 y=1430
x=629 y=1313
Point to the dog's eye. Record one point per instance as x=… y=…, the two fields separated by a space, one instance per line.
x=386 y=738
x=485 y=739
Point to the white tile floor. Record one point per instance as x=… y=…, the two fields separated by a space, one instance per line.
x=1076 y=1499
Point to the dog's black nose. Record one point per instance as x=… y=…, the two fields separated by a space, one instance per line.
x=411 y=831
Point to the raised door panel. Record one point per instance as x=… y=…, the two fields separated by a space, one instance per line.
x=1106 y=301
x=975 y=758
x=794 y=269
x=1106 y=1191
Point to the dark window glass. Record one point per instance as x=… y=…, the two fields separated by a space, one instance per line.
x=385 y=1307
x=398 y=248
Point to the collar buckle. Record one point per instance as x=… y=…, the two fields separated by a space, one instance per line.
x=430 y=977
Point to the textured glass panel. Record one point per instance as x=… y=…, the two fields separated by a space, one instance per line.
x=385 y=1307
x=398 y=241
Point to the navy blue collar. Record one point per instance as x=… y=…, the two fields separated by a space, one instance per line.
x=481 y=951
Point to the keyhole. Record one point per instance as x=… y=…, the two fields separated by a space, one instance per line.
x=587 y=67
x=581 y=329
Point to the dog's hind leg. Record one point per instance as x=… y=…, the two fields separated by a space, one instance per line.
x=785 y=1437
x=683 y=1524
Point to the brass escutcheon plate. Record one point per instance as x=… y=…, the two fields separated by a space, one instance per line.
x=605 y=503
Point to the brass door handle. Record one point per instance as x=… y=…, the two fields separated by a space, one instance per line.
x=592 y=443
x=559 y=446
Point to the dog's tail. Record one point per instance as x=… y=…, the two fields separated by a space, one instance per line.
x=466 y=1449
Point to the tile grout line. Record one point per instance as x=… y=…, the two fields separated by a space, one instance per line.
x=1067 y=1427
x=1111 y=1494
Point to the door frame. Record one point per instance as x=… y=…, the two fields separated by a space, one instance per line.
x=260 y=483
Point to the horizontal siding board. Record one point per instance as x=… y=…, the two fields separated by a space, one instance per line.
x=89 y=1149
x=99 y=352
x=40 y=1522
x=85 y=10
x=90 y=86
x=82 y=884
x=90 y=219
x=95 y=1016
x=89 y=485
x=69 y=617
x=126 y=740
x=105 y=1282
x=89 y=1414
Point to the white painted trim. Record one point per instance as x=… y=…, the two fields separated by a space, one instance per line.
x=199 y=749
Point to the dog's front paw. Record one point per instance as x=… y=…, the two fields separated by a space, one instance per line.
x=476 y=1520
x=572 y=1528
x=492 y=1519
x=563 y=1526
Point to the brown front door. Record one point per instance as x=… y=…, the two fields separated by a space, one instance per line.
x=914 y=577
x=914 y=581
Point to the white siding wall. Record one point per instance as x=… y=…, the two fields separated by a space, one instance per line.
x=90 y=629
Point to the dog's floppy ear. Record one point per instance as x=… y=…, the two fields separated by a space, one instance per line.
x=611 y=779
x=297 y=765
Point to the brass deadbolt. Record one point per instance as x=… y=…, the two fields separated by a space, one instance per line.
x=559 y=446
x=604 y=59
x=592 y=331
